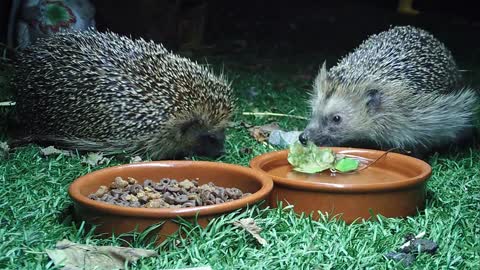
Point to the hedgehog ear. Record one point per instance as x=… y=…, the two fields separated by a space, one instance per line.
x=374 y=100
x=321 y=79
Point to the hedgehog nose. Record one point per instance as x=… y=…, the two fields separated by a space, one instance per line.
x=303 y=138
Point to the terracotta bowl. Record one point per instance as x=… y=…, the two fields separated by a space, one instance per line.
x=394 y=186
x=117 y=219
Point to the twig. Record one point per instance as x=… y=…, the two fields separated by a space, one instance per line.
x=377 y=159
x=275 y=114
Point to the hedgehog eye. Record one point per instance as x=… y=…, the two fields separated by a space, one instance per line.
x=336 y=119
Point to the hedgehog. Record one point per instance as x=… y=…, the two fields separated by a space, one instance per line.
x=398 y=90
x=103 y=92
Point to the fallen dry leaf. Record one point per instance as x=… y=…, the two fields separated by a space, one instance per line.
x=94 y=159
x=261 y=133
x=250 y=226
x=48 y=151
x=73 y=256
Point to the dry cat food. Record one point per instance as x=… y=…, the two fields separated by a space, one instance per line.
x=167 y=193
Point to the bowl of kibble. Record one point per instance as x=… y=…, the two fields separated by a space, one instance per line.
x=345 y=183
x=133 y=197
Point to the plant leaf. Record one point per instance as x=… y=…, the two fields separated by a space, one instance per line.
x=346 y=165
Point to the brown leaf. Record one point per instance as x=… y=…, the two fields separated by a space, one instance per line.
x=261 y=133
x=250 y=226
x=73 y=256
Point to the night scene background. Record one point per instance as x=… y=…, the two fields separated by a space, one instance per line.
x=272 y=51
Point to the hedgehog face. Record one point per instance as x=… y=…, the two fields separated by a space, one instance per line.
x=202 y=138
x=340 y=116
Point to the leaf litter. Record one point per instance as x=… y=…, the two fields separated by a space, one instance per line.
x=73 y=256
x=250 y=226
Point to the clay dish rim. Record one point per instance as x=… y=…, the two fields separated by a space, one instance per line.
x=264 y=180
x=260 y=161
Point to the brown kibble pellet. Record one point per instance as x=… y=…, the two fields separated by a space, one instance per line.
x=119 y=183
x=207 y=187
x=131 y=198
x=101 y=191
x=186 y=184
x=154 y=195
x=169 y=198
x=135 y=188
x=181 y=199
x=132 y=180
x=173 y=189
x=164 y=193
x=148 y=183
x=157 y=203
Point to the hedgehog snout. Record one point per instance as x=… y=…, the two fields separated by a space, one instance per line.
x=303 y=138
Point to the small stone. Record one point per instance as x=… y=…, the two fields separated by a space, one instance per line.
x=406 y=259
x=422 y=246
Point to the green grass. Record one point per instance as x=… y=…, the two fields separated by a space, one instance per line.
x=34 y=206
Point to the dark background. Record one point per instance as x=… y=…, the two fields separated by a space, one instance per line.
x=286 y=27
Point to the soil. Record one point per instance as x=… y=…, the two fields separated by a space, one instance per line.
x=166 y=193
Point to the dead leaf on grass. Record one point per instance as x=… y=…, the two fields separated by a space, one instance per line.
x=250 y=226
x=73 y=256
x=261 y=133
x=51 y=150
x=94 y=159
